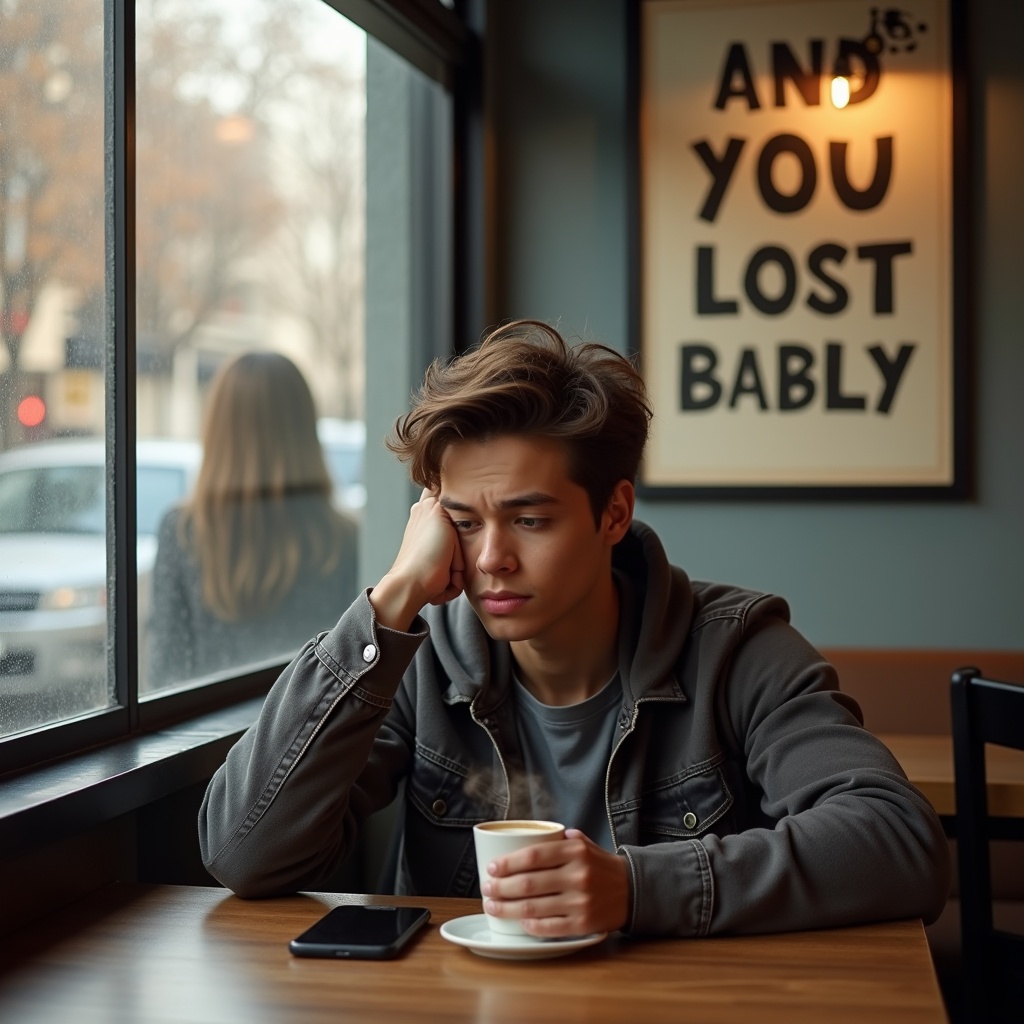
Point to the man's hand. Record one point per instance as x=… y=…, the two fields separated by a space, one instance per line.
x=560 y=889
x=428 y=569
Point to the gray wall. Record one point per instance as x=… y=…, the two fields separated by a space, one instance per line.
x=858 y=575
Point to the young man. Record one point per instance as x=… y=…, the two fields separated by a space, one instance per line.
x=532 y=653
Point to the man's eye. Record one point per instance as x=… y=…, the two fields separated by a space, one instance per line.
x=462 y=524
x=531 y=522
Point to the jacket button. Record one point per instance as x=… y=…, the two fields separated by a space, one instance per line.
x=439 y=807
x=369 y=652
x=689 y=820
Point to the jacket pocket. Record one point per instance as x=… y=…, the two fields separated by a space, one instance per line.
x=685 y=805
x=442 y=806
x=445 y=795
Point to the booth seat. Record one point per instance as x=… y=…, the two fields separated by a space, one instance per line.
x=908 y=691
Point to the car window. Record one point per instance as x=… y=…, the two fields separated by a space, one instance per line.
x=344 y=464
x=70 y=499
x=15 y=500
x=53 y=499
x=158 y=488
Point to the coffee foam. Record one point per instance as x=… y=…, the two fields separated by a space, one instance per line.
x=520 y=827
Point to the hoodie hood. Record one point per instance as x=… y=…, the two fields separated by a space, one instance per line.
x=657 y=608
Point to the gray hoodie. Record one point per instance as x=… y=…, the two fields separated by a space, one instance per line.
x=742 y=788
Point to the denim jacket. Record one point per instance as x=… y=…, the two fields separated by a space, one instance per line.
x=742 y=788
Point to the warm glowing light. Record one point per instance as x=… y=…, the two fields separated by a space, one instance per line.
x=840 y=92
x=235 y=129
x=31 y=411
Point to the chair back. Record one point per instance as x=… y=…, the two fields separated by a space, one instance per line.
x=984 y=711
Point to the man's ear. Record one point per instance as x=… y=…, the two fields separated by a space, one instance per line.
x=618 y=513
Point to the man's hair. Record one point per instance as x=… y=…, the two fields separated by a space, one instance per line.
x=524 y=379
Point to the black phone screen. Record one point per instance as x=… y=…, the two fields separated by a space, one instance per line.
x=360 y=931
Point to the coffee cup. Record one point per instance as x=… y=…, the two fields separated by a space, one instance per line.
x=494 y=839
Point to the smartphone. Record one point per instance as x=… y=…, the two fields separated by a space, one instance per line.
x=361 y=932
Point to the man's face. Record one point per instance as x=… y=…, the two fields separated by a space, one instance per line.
x=537 y=567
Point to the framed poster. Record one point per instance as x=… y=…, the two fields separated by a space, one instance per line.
x=798 y=302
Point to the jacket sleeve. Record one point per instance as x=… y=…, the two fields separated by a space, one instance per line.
x=853 y=842
x=286 y=806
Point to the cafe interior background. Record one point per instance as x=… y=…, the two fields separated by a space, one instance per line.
x=490 y=177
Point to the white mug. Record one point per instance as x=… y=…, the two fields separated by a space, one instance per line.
x=494 y=839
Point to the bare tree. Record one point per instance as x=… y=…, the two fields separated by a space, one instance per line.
x=249 y=166
x=322 y=240
x=313 y=100
x=51 y=168
x=204 y=195
x=282 y=118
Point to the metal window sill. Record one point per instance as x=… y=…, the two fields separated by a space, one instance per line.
x=84 y=790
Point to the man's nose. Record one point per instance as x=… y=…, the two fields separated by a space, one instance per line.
x=496 y=554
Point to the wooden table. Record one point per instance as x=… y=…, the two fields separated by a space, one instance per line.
x=928 y=762
x=134 y=954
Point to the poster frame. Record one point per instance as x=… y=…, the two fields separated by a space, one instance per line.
x=961 y=429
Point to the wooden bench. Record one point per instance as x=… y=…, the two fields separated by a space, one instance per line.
x=908 y=690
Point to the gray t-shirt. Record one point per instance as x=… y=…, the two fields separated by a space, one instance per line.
x=565 y=754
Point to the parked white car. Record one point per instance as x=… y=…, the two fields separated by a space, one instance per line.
x=53 y=560
x=53 y=566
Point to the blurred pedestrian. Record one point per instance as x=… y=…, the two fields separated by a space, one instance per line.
x=258 y=559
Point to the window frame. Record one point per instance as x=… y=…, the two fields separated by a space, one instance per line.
x=434 y=38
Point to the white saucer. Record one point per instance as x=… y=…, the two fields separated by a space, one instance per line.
x=475 y=934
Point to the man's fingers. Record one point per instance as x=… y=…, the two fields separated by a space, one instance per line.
x=537 y=857
x=531 y=907
x=561 y=888
x=527 y=884
x=458 y=562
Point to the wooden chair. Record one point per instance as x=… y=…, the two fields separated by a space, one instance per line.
x=984 y=711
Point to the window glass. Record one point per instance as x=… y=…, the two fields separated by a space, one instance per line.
x=408 y=272
x=159 y=488
x=250 y=235
x=259 y=479
x=52 y=497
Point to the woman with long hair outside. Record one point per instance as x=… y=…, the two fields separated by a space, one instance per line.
x=258 y=559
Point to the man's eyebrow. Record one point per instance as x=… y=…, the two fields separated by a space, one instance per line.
x=532 y=500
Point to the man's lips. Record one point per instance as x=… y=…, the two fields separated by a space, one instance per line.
x=501 y=602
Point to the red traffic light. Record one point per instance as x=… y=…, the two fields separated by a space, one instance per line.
x=31 y=411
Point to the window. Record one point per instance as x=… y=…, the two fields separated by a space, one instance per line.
x=52 y=500
x=288 y=208
x=249 y=297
